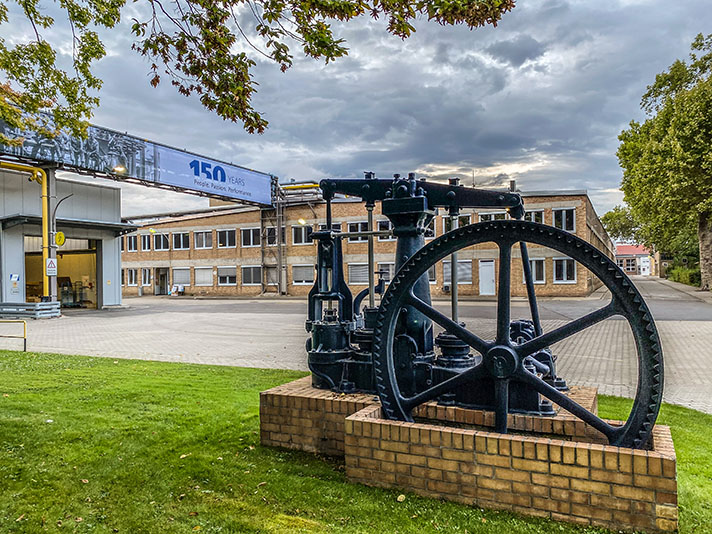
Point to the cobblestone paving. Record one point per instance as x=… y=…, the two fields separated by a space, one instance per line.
x=257 y=334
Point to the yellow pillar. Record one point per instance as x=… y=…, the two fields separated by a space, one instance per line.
x=39 y=176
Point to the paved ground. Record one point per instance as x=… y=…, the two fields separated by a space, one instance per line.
x=270 y=333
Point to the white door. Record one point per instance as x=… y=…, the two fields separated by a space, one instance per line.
x=487 y=277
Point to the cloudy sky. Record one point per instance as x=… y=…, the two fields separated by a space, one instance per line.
x=541 y=98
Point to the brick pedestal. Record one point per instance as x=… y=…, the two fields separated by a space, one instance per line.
x=554 y=467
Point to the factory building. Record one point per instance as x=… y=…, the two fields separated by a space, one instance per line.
x=227 y=250
x=88 y=262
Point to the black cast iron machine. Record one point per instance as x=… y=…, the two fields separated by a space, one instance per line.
x=391 y=350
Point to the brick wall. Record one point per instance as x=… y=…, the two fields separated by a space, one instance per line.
x=574 y=481
x=587 y=227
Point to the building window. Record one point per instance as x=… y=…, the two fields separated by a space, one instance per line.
x=630 y=264
x=252 y=275
x=430 y=232
x=464 y=272
x=121 y=242
x=388 y=270
x=620 y=262
x=250 y=237
x=181 y=241
x=204 y=276
x=131 y=277
x=161 y=242
x=226 y=238
x=146 y=242
x=123 y=274
x=499 y=216
x=145 y=277
x=271 y=275
x=431 y=274
x=358 y=227
x=358 y=273
x=203 y=239
x=301 y=235
x=385 y=226
x=536 y=216
x=335 y=227
x=302 y=275
x=131 y=243
x=565 y=219
x=227 y=276
x=272 y=236
x=181 y=276
x=564 y=271
x=462 y=220
x=537 y=268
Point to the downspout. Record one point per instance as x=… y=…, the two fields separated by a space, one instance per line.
x=40 y=176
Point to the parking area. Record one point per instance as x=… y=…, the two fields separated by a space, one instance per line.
x=269 y=332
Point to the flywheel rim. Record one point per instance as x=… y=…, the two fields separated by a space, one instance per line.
x=626 y=301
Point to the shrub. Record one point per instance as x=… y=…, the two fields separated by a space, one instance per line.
x=685 y=275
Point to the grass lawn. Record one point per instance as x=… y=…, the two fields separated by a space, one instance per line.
x=98 y=445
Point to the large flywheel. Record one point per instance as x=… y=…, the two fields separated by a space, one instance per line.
x=503 y=361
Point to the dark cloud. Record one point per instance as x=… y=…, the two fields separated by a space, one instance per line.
x=541 y=98
x=516 y=51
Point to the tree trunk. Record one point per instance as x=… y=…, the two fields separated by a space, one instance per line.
x=704 y=234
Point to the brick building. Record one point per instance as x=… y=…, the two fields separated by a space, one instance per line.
x=635 y=259
x=229 y=250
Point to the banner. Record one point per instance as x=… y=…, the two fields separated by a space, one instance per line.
x=122 y=155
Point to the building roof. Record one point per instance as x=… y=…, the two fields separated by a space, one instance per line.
x=554 y=193
x=632 y=250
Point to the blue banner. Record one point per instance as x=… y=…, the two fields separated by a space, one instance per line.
x=121 y=155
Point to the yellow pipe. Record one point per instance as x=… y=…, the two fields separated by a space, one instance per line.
x=39 y=176
x=300 y=186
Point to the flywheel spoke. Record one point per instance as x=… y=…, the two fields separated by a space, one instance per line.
x=473 y=373
x=503 y=291
x=448 y=324
x=501 y=404
x=567 y=330
x=557 y=397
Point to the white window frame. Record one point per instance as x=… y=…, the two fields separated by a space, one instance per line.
x=358 y=239
x=435 y=275
x=459 y=281
x=303 y=228
x=335 y=227
x=267 y=236
x=252 y=234
x=145 y=238
x=304 y=283
x=202 y=233
x=493 y=214
x=173 y=270
x=145 y=283
x=390 y=263
x=212 y=281
x=181 y=234
x=543 y=271
x=167 y=239
x=242 y=276
x=217 y=235
x=534 y=211
x=132 y=239
x=388 y=229
x=553 y=218
x=226 y=267
x=446 y=219
x=130 y=270
x=348 y=271
x=574 y=281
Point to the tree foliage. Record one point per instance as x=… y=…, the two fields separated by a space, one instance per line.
x=667 y=160
x=203 y=47
x=619 y=224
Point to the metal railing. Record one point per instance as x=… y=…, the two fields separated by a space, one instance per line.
x=23 y=337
